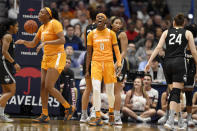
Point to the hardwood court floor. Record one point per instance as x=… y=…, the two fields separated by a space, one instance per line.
x=21 y=124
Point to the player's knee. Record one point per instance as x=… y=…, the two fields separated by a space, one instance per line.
x=188 y=95
x=175 y=95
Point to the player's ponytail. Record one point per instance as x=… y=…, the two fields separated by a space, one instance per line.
x=179 y=19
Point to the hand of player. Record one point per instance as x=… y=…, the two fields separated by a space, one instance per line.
x=20 y=42
x=147 y=67
x=118 y=70
x=17 y=67
x=39 y=47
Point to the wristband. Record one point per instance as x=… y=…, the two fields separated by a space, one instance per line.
x=13 y=63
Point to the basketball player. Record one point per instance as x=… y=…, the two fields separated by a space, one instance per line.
x=7 y=64
x=52 y=37
x=88 y=89
x=176 y=40
x=101 y=41
x=116 y=25
x=189 y=83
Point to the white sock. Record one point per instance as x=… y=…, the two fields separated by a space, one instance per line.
x=110 y=94
x=84 y=112
x=96 y=94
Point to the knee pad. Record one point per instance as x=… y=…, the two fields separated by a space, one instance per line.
x=189 y=96
x=175 y=95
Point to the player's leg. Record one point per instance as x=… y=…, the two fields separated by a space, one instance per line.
x=117 y=89
x=96 y=74
x=44 y=94
x=85 y=96
x=8 y=90
x=109 y=79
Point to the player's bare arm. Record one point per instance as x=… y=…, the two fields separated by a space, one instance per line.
x=7 y=39
x=124 y=44
x=156 y=50
x=29 y=44
x=6 y=44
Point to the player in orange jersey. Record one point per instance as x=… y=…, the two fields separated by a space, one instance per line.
x=52 y=37
x=102 y=41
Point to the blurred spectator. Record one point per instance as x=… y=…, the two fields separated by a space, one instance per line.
x=82 y=7
x=66 y=22
x=141 y=52
x=141 y=36
x=69 y=52
x=157 y=20
x=138 y=26
x=152 y=93
x=149 y=25
x=95 y=3
x=131 y=33
x=158 y=33
x=143 y=63
x=14 y=10
x=67 y=85
x=113 y=7
x=81 y=58
x=140 y=42
x=122 y=13
x=66 y=13
x=72 y=39
x=136 y=102
x=77 y=31
x=165 y=24
x=53 y=5
x=142 y=14
x=133 y=63
x=156 y=71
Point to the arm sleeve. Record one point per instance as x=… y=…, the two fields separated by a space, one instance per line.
x=89 y=39
x=114 y=38
x=57 y=27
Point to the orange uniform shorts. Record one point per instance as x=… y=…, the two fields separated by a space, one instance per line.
x=57 y=61
x=103 y=70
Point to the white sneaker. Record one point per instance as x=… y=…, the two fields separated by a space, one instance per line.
x=169 y=125
x=195 y=121
x=92 y=114
x=84 y=118
x=118 y=120
x=162 y=120
x=182 y=125
x=148 y=119
x=191 y=123
x=5 y=118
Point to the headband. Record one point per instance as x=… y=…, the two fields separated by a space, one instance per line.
x=101 y=14
x=49 y=11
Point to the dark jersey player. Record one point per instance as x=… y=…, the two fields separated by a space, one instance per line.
x=116 y=25
x=176 y=39
x=7 y=64
x=88 y=89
